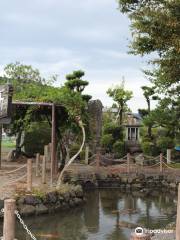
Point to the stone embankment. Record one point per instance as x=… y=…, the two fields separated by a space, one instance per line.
x=143 y=182
x=42 y=203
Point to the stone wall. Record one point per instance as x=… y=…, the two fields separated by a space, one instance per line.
x=43 y=203
x=130 y=182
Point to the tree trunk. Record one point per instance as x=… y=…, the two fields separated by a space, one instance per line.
x=150 y=126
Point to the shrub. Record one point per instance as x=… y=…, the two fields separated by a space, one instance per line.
x=149 y=148
x=107 y=141
x=119 y=149
x=115 y=130
x=36 y=137
x=164 y=143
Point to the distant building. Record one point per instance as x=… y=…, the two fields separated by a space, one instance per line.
x=132 y=124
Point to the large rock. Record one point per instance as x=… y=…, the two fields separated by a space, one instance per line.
x=95 y=124
x=26 y=210
x=31 y=200
x=41 y=209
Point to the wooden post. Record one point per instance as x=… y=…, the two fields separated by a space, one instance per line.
x=134 y=236
x=128 y=163
x=178 y=216
x=0 y=144
x=29 y=175
x=53 y=146
x=87 y=155
x=44 y=170
x=49 y=151
x=37 y=164
x=161 y=162
x=168 y=156
x=9 y=219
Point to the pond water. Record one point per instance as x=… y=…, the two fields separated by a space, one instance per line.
x=98 y=219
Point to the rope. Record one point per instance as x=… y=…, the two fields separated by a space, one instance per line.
x=170 y=167
x=16 y=180
x=92 y=156
x=152 y=165
x=6 y=173
x=150 y=157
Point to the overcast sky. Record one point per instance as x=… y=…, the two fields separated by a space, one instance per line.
x=59 y=36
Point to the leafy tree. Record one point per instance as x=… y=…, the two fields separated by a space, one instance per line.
x=148 y=93
x=155 y=28
x=30 y=86
x=75 y=83
x=120 y=96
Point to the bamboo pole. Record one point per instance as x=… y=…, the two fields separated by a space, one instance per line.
x=9 y=219
x=29 y=175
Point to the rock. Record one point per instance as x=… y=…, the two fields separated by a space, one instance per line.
x=31 y=200
x=41 y=209
x=79 y=194
x=172 y=185
x=72 y=203
x=137 y=185
x=51 y=197
x=124 y=179
x=21 y=200
x=77 y=201
x=26 y=210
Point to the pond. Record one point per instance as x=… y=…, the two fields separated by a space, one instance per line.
x=105 y=216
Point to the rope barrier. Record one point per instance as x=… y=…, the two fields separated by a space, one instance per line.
x=150 y=157
x=152 y=165
x=92 y=156
x=16 y=180
x=6 y=173
x=170 y=167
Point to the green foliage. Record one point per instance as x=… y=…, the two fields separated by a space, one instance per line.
x=119 y=149
x=120 y=96
x=155 y=29
x=29 y=86
x=38 y=135
x=76 y=84
x=107 y=142
x=163 y=143
x=149 y=148
x=114 y=130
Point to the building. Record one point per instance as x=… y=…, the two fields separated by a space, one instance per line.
x=132 y=128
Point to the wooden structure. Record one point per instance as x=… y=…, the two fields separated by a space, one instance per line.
x=9 y=219
x=52 y=110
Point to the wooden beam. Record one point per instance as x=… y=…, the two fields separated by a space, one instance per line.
x=53 y=143
x=0 y=144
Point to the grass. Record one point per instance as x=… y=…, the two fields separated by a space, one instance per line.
x=8 y=143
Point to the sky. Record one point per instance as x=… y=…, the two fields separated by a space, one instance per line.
x=60 y=36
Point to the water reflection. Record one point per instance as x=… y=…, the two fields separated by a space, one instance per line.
x=107 y=215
